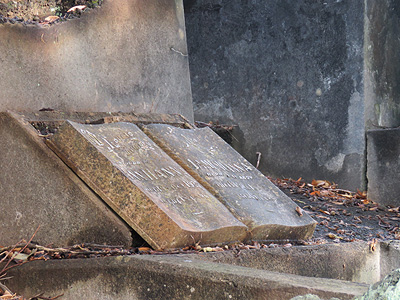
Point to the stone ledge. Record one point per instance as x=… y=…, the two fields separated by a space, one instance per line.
x=167 y=277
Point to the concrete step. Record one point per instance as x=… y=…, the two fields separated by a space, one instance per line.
x=167 y=277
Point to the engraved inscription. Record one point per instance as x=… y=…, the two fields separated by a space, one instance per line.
x=144 y=186
x=249 y=195
x=132 y=155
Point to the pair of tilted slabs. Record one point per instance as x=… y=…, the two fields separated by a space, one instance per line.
x=177 y=186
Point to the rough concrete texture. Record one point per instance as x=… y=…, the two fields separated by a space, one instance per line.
x=383 y=156
x=382 y=101
x=38 y=189
x=351 y=262
x=166 y=277
x=289 y=73
x=387 y=289
x=390 y=257
x=123 y=56
x=382 y=63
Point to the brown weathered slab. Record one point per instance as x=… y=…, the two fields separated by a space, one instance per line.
x=143 y=185
x=249 y=195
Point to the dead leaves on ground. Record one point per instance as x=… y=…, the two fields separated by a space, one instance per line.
x=328 y=191
x=51 y=19
x=338 y=210
x=78 y=8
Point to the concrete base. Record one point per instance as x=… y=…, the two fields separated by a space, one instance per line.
x=351 y=262
x=383 y=154
x=248 y=274
x=167 y=277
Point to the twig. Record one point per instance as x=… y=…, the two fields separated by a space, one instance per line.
x=30 y=240
x=4 y=288
x=100 y=246
x=20 y=251
x=177 y=51
x=258 y=159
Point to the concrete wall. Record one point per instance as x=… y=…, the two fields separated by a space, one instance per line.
x=382 y=99
x=124 y=56
x=382 y=63
x=290 y=74
x=383 y=165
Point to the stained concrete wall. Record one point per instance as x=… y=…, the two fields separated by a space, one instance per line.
x=382 y=63
x=290 y=75
x=383 y=165
x=124 y=56
x=382 y=99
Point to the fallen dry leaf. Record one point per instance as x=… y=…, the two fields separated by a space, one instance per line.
x=321 y=183
x=51 y=19
x=7 y=296
x=144 y=249
x=334 y=236
x=372 y=245
x=325 y=212
x=75 y=8
x=298 y=210
x=361 y=195
x=395 y=209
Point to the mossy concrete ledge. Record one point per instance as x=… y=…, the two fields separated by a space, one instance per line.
x=167 y=277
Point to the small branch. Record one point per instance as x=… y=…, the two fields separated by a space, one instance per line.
x=4 y=288
x=258 y=159
x=5 y=268
x=177 y=51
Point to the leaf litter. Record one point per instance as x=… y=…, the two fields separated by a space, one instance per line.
x=342 y=215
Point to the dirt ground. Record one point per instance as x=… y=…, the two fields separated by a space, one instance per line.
x=38 y=10
x=342 y=216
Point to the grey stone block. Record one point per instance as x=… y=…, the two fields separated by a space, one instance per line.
x=351 y=262
x=390 y=257
x=382 y=63
x=383 y=154
x=166 y=277
x=119 y=57
x=387 y=289
x=38 y=189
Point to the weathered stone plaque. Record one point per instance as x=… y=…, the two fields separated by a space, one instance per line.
x=249 y=195
x=143 y=185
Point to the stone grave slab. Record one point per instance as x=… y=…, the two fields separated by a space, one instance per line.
x=144 y=186
x=245 y=191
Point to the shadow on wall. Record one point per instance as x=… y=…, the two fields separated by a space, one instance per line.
x=289 y=74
